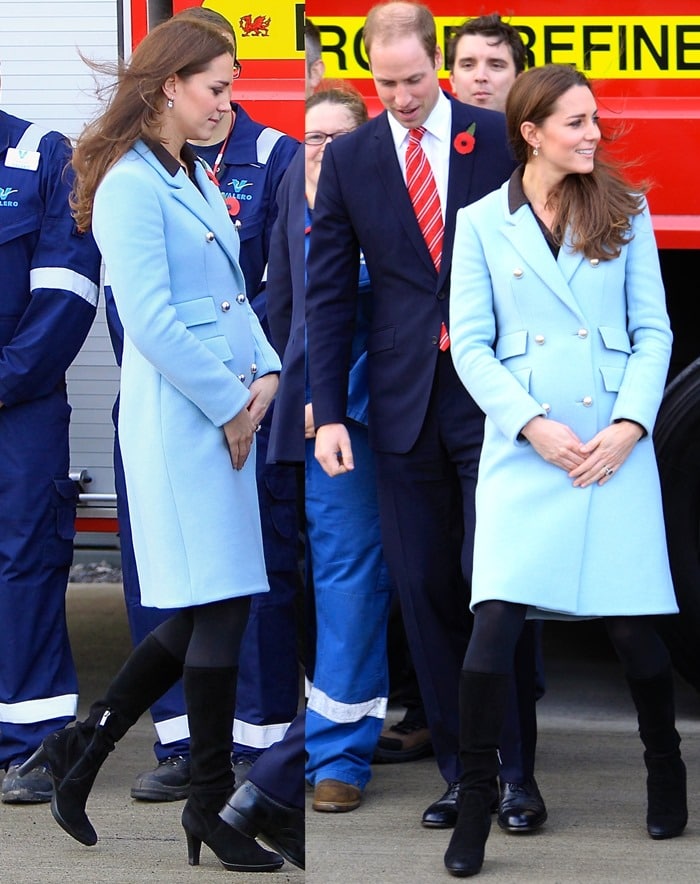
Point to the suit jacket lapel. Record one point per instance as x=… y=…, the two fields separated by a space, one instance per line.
x=389 y=172
x=458 y=183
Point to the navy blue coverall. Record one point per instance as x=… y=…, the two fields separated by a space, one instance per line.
x=48 y=298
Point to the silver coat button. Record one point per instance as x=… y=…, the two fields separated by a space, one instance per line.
x=253 y=368
x=518 y=272
x=582 y=333
x=209 y=236
x=241 y=377
x=225 y=306
x=546 y=407
x=539 y=339
x=595 y=262
x=588 y=401
x=240 y=298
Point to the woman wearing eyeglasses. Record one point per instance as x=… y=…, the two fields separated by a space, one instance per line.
x=351 y=585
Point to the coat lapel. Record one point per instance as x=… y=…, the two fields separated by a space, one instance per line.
x=524 y=234
x=458 y=182
x=204 y=201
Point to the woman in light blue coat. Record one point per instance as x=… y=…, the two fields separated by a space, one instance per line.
x=559 y=332
x=197 y=378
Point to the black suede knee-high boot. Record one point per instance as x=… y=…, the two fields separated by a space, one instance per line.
x=210 y=696
x=667 y=805
x=75 y=754
x=482 y=708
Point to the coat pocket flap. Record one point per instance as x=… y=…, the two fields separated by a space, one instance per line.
x=514 y=344
x=612 y=377
x=196 y=312
x=382 y=339
x=219 y=346
x=615 y=339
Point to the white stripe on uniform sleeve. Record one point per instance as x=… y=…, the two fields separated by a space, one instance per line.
x=65 y=279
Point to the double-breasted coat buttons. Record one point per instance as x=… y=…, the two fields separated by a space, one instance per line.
x=209 y=236
x=240 y=298
x=587 y=401
x=518 y=272
x=225 y=306
x=539 y=339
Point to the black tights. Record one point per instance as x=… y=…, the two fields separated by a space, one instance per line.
x=498 y=624
x=206 y=635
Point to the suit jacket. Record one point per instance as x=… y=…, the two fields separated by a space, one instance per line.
x=286 y=280
x=192 y=347
x=585 y=343
x=362 y=202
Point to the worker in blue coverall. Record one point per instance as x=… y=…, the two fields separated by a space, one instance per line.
x=50 y=279
x=248 y=160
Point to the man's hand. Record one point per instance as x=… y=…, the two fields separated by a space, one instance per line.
x=309 y=427
x=333 y=449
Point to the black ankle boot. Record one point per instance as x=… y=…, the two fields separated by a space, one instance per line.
x=210 y=695
x=667 y=803
x=75 y=755
x=482 y=706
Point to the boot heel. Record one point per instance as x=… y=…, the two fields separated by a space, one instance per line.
x=194 y=846
x=39 y=757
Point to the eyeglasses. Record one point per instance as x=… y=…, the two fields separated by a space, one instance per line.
x=316 y=139
x=237 y=69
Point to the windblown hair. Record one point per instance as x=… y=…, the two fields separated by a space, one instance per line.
x=493 y=28
x=339 y=92
x=203 y=13
x=400 y=18
x=179 y=46
x=594 y=209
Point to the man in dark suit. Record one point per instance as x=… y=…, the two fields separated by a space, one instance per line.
x=425 y=428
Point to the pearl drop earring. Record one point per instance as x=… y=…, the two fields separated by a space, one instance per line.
x=170 y=102
x=535 y=151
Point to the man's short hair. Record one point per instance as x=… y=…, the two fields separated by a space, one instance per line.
x=312 y=43
x=395 y=19
x=493 y=28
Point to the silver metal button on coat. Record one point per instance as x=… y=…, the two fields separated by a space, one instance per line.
x=518 y=272
x=253 y=367
x=587 y=401
x=241 y=377
x=225 y=306
x=209 y=236
x=539 y=339
x=546 y=407
x=582 y=333
x=595 y=262
x=240 y=298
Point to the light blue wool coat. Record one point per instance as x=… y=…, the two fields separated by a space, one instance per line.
x=192 y=347
x=585 y=343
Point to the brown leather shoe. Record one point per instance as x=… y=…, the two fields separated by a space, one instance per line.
x=334 y=796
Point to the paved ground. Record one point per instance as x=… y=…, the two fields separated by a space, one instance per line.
x=590 y=772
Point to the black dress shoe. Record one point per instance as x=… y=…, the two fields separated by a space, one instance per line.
x=442 y=814
x=254 y=813
x=521 y=807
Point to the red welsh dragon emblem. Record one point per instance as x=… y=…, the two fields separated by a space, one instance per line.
x=254 y=27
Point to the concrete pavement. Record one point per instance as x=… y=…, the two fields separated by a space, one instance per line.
x=590 y=772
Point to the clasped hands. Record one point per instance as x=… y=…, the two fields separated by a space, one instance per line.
x=594 y=461
x=240 y=430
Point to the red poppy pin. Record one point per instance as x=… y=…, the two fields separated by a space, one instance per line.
x=233 y=206
x=465 y=141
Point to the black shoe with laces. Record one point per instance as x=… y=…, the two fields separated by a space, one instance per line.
x=407 y=740
x=170 y=781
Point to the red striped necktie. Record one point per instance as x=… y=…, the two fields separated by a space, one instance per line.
x=426 y=204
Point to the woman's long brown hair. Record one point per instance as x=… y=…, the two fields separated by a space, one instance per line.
x=592 y=210
x=177 y=46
